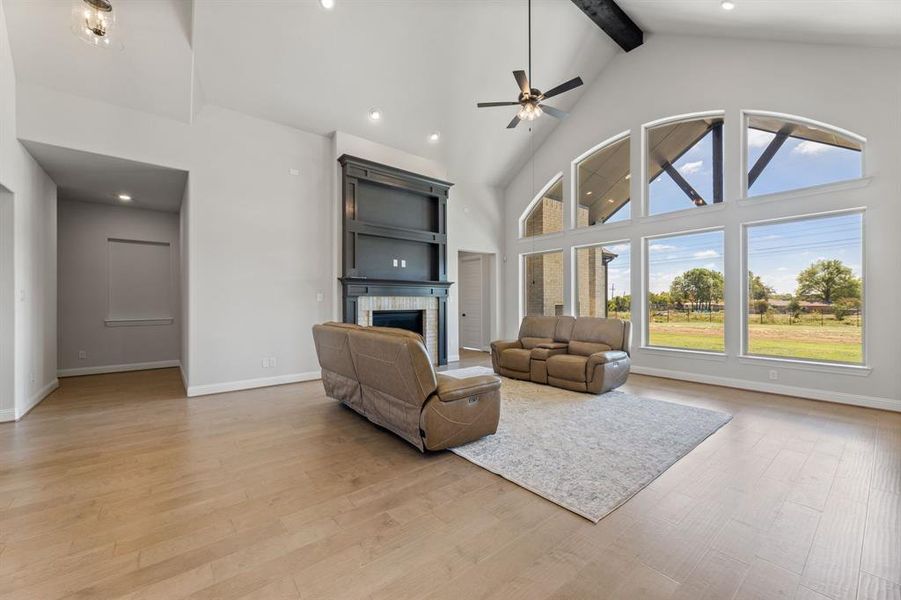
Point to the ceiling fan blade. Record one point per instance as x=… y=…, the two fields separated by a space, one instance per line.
x=554 y=112
x=514 y=122
x=563 y=87
x=522 y=81
x=490 y=104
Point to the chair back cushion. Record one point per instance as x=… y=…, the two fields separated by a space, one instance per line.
x=595 y=334
x=536 y=330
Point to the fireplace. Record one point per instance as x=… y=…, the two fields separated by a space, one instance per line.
x=411 y=320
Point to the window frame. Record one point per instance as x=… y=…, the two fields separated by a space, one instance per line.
x=645 y=193
x=745 y=355
x=574 y=267
x=646 y=290
x=534 y=202
x=744 y=157
x=522 y=277
x=574 y=182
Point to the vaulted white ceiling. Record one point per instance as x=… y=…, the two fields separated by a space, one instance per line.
x=424 y=63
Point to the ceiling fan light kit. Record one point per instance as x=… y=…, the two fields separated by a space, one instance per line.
x=94 y=22
x=530 y=100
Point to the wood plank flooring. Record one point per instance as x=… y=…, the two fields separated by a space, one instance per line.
x=117 y=486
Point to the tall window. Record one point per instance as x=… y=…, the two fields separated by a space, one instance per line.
x=603 y=281
x=805 y=288
x=788 y=155
x=543 y=283
x=685 y=291
x=604 y=185
x=546 y=216
x=685 y=164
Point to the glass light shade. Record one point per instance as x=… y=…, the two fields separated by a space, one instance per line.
x=94 y=22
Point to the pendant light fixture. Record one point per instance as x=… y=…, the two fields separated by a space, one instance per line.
x=94 y=22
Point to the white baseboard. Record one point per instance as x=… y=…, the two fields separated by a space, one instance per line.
x=453 y=358
x=7 y=415
x=775 y=388
x=160 y=364
x=184 y=376
x=36 y=399
x=247 y=384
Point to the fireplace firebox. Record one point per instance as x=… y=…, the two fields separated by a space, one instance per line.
x=411 y=320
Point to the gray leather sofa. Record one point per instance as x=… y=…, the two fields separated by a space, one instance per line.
x=584 y=354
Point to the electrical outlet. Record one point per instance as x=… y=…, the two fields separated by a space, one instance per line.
x=265 y=363
x=82 y=355
x=273 y=362
x=774 y=374
x=403 y=264
x=320 y=296
x=394 y=263
x=294 y=172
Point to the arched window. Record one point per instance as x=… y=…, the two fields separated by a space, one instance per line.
x=788 y=153
x=603 y=184
x=545 y=213
x=684 y=163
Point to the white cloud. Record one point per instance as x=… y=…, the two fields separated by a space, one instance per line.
x=691 y=167
x=618 y=248
x=758 y=138
x=809 y=148
x=782 y=269
x=706 y=254
x=661 y=247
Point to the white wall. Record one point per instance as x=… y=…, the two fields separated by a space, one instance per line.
x=84 y=231
x=33 y=308
x=857 y=89
x=260 y=243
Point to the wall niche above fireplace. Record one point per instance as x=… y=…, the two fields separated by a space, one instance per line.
x=394 y=240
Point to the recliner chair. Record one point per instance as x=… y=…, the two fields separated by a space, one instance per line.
x=385 y=374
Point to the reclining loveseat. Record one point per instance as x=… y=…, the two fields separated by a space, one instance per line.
x=584 y=354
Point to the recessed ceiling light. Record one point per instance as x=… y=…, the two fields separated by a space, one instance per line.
x=587 y=193
x=628 y=176
x=124 y=197
x=727 y=5
x=375 y=114
x=327 y=4
x=434 y=136
x=610 y=200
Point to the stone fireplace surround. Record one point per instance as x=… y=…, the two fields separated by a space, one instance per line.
x=367 y=304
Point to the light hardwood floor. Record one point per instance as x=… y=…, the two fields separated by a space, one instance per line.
x=119 y=486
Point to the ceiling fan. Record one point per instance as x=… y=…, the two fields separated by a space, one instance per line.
x=531 y=100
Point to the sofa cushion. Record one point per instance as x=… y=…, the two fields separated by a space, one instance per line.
x=567 y=366
x=538 y=327
x=586 y=348
x=599 y=331
x=563 y=331
x=516 y=359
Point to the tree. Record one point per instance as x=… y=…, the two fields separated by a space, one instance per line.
x=757 y=289
x=845 y=307
x=698 y=287
x=828 y=281
x=762 y=307
x=794 y=308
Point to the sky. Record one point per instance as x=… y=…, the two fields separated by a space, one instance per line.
x=670 y=256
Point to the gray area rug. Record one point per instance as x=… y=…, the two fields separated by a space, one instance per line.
x=589 y=454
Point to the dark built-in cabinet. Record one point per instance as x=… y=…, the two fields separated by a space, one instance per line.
x=394 y=237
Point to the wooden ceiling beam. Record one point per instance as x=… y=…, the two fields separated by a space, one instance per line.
x=607 y=15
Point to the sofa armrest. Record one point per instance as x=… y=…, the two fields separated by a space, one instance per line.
x=554 y=345
x=600 y=358
x=545 y=351
x=497 y=347
x=451 y=388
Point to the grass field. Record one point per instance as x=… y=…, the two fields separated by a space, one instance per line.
x=812 y=337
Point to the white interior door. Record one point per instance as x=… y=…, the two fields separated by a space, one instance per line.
x=471 y=303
